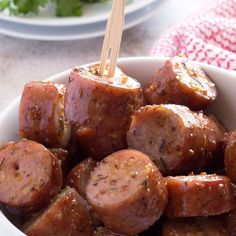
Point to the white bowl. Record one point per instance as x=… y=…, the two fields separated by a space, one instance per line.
x=141 y=69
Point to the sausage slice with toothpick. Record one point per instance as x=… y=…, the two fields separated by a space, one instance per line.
x=101 y=108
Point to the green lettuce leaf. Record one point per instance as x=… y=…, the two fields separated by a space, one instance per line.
x=69 y=8
x=22 y=7
x=63 y=7
x=4 y=4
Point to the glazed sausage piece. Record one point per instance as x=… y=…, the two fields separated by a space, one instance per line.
x=63 y=156
x=127 y=192
x=79 y=176
x=199 y=195
x=101 y=231
x=30 y=176
x=41 y=115
x=67 y=215
x=4 y=144
x=60 y=153
x=193 y=226
x=181 y=81
x=230 y=222
x=230 y=160
x=176 y=139
x=78 y=179
x=101 y=107
x=228 y=137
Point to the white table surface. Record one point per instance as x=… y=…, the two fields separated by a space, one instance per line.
x=24 y=60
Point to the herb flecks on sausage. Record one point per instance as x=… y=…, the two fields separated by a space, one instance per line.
x=30 y=176
x=127 y=185
x=199 y=195
x=101 y=107
x=177 y=139
x=182 y=82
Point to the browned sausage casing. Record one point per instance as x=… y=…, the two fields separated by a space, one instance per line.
x=41 y=115
x=63 y=156
x=101 y=107
x=199 y=195
x=127 y=192
x=228 y=137
x=176 y=139
x=101 y=231
x=193 y=227
x=230 y=222
x=3 y=144
x=59 y=153
x=79 y=176
x=230 y=160
x=182 y=82
x=67 y=215
x=29 y=176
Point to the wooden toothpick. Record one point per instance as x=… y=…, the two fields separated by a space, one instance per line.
x=112 y=40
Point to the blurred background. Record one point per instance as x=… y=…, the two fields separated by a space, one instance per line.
x=24 y=60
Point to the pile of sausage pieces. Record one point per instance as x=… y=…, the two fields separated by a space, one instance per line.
x=104 y=156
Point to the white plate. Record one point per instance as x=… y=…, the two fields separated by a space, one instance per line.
x=93 y=13
x=141 y=69
x=74 y=32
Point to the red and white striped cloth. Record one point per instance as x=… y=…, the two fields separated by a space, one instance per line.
x=208 y=37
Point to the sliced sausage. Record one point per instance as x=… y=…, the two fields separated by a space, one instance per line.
x=199 y=195
x=30 y=176
x=78 y=179
x=102 y=231
x=127 y=192
x=67 y=215
x=217 y=122
x=60 y=153
x=176 y=139
x=194 y=227
x=230 y=222
x=63 y=156
x=4 y=144
x=41 y=116
x=101 y=107
x=228 y=137
x=79 y=176
x=230 y=160
x=216 y=125
x=181 y=81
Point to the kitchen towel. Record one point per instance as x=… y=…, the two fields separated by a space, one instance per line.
x=208 y=36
